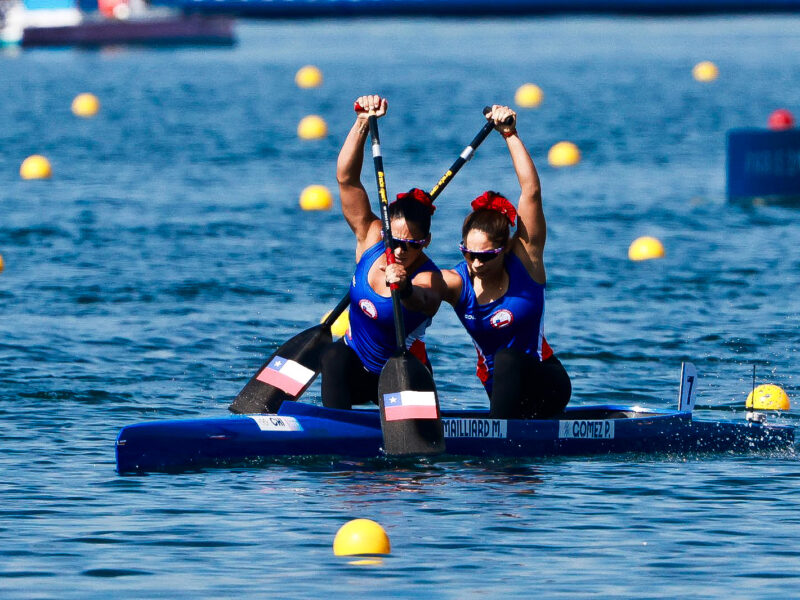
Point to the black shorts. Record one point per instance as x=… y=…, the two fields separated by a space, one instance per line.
x=345 y=381
x=527 y=388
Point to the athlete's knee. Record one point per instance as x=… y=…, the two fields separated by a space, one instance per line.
x=560 y=379
x=552 y=390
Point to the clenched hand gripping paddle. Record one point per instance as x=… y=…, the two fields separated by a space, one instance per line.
x=292 y=368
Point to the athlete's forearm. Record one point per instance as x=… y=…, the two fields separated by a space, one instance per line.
x=527 y=174
x=351 y=155
x=420 y=299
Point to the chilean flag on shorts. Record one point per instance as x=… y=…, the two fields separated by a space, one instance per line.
x=286 y=375
x=409 y=405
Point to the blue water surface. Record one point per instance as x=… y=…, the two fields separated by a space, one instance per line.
x=167 y=257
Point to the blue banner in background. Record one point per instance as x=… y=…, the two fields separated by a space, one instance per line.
x=762 y=163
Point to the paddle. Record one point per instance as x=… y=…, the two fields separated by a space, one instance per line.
x=406 y=391
x=304 y=349
x=289 y=371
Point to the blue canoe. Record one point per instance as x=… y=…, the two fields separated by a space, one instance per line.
x=300 y=429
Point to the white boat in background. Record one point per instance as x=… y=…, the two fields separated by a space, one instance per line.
x=112 y=22
x=15 y=17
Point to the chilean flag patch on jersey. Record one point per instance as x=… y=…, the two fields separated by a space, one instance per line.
x=368 y=308
x=286 y=375
x=501 y=318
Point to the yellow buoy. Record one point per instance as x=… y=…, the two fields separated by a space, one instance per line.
x=308 y=77
x=2 y=265
x=85 y=105
x=361 y=536
x=528 y=95
x=645 y=248
x=705 y=71
x=768 y=397
x=564 y=154
x=312 y=127
x=35 y=166
x=316 y=197
x=340 y=325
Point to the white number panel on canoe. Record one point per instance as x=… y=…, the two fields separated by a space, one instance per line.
x=273 y=423
x=475 y=428
x=586 y=430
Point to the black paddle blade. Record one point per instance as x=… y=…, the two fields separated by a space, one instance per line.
x=409 y=408
x=286 y=374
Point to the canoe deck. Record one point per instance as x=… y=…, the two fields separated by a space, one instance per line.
x=301 y=429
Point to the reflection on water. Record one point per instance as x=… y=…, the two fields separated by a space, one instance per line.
x=426 y=479
x=384 y=476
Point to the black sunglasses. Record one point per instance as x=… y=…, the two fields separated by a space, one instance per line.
x=483 y=256
x=405 y=244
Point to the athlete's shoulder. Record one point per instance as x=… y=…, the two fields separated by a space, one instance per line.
x=453 y=282
x=519 y=259
x=370 y=240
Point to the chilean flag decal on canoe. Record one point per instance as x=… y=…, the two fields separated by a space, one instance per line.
x=409 y=405
x=286 y=375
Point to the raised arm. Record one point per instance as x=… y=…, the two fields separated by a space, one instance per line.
x=531 y=233
x=355 y=202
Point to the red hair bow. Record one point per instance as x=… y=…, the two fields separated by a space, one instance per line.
x=494 y=201
x=420 y=196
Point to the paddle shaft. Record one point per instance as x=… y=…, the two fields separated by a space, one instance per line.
x=383 y=201
x=462 y=159
x=465 y=155
x=334 y=314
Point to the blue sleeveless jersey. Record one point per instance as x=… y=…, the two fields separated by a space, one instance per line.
x=371 y=333
x=516 y=320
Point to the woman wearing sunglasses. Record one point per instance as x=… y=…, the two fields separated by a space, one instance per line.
x=498 y=293
x=351 y=366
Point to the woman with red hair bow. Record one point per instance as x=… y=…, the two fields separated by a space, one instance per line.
x=498 y=293
x=351 y=366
